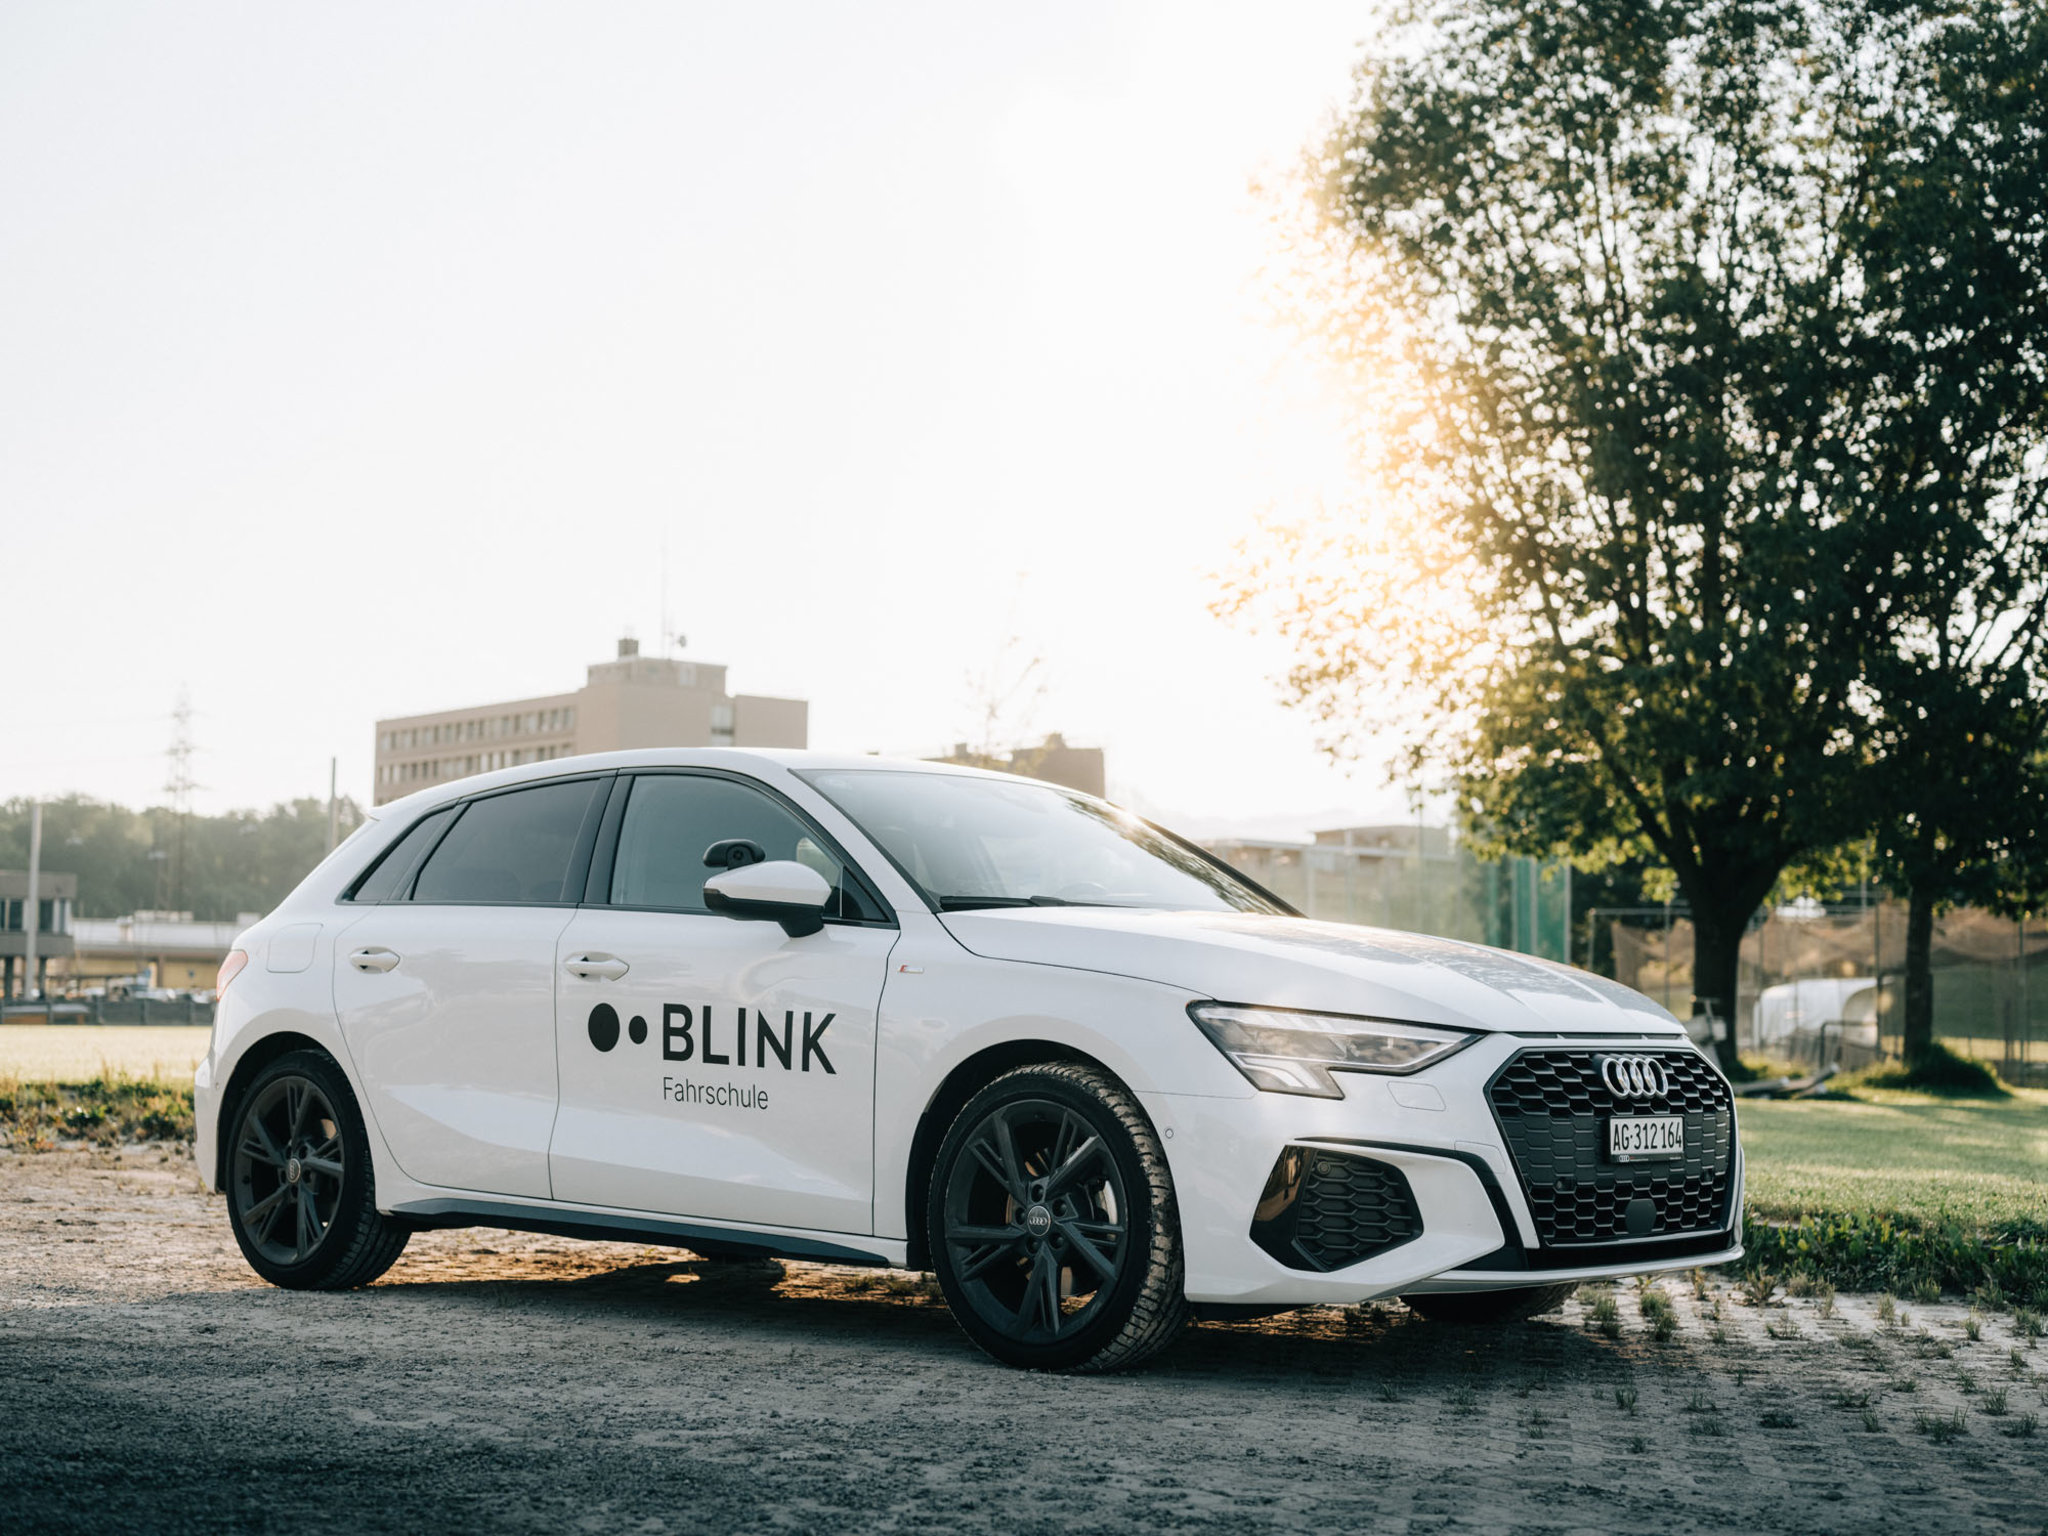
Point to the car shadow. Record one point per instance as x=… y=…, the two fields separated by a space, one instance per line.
x=1384 y=1347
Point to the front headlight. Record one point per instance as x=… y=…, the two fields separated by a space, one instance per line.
x=1283 y=1051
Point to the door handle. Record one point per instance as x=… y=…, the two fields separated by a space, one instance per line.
x=605 y=967
x=374 y=958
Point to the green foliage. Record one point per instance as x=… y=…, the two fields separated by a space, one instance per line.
x=1662 y=1317
x=1605 y=1314
x=1936 y=1070
x=216 y=867
x=1701 y=358
x=106 y=1111
x=1907 y=1198
x=1867 y=1253
x=1979 y=1163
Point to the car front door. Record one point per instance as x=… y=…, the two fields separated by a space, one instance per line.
x=445 y=986
x=715 y=1067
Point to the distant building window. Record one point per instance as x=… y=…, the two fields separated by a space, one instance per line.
x=721 y=718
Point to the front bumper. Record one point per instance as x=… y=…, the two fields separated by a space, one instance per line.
x=1436 y=1128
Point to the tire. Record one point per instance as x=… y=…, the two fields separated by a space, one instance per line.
x=1491 y=1306
x=1054 y=1233
x=301 y=1192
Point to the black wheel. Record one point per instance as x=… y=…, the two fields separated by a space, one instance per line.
x=301 y=1197
x=1491 y=1306
x=1053 y=1229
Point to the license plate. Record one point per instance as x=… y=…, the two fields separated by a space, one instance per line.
x=1646 y=1138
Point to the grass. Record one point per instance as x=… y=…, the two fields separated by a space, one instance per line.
x=1911 y=1193
x=106 y=1110
x=1605 y=1314
x=1941 y=1071
x=1910 y=1157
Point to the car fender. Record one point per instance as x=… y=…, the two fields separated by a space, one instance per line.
x=269 y=998
x=942 y=1008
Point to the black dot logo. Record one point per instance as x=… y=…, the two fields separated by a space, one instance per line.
x=637 y=1028
x=604 y=1026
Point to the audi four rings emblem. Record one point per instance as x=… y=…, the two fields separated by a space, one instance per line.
x=1634 y=1077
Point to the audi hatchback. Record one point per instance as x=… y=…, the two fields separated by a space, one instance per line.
x=781 y=1003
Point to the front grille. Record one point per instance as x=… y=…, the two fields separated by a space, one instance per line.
x=1324 y=1210
x=1553 y=1108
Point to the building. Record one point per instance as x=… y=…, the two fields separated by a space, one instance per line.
x=631 y=701
x=55 y=894
x=1052 y=760
x=150 y=949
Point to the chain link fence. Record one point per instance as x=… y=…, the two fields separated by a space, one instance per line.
x=1820 y=984
x=1430 y=886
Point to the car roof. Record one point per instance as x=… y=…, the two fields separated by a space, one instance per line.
x=750 y=760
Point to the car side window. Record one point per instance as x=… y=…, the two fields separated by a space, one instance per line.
x=514 y=847
x=387 y=877
x=671 y=822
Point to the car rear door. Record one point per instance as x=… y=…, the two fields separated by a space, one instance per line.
x=715 y=1067
x=445 y=986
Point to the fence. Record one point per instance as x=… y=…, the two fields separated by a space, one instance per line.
x=100 y=1010
x=1985 y=1002
x=1511 y=903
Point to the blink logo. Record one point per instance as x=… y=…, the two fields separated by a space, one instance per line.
x=697 y=1034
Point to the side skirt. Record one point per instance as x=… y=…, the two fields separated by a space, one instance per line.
x=599 y=1226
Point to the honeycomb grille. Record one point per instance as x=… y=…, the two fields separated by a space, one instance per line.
x=1553 y=1108
x=1332 y=1210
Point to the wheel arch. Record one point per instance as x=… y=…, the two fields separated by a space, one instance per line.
x=252 y=1061
x=967 y=1079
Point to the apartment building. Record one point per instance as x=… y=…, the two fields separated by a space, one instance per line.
x=629 y=701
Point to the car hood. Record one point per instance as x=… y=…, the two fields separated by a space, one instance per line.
x=1292 y=962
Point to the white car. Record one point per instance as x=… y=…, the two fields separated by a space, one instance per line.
x=784 y=1003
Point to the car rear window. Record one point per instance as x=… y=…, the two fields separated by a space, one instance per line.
x=386 y=878
x=511 y=848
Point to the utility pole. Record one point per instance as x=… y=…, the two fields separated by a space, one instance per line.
x=333 y=808
x=31 y=909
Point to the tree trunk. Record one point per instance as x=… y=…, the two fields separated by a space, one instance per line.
x=1917 y=1037
x=1716 y=955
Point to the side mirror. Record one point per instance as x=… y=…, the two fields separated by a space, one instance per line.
x=779 y=891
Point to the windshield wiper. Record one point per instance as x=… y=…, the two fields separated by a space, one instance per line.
x=975 y=903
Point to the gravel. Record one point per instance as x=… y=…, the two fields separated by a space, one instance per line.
x=504 y=1382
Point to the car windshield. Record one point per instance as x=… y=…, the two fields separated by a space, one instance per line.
x=968 y=842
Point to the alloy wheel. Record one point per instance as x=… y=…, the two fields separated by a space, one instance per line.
x=1036 y=1220
x=288 y=1168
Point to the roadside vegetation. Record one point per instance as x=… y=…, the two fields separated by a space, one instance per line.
x=1907 y=1192
x=106 y=1111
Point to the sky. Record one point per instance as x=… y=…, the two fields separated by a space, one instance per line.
x=364 y=360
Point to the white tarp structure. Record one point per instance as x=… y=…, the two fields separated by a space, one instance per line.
x=1847 y=1004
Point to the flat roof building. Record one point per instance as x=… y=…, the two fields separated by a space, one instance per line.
x=630 y=701
x=55 y=895
x=1052 y=760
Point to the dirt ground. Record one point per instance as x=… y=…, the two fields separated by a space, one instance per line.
x=501 y=1382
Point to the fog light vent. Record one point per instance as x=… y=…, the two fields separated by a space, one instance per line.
x=1325 y=1210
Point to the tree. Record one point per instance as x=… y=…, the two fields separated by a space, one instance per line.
x=242 y=861
x=1955 y=269
x=1609 y=276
